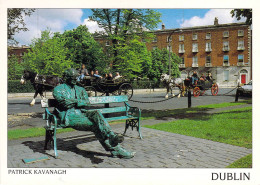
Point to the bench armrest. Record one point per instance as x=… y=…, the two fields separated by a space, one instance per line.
x=134 y=111
x=49 y=117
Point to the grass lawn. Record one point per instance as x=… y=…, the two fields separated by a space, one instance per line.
x=232 y=127
x=31 y=132
x=244 y=162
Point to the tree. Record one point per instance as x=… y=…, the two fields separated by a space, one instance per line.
x=47 y=55
x=15 y=22
x=83 y=49
x=15 y=69
x=122 y=25
x=160 y=64
x=238 y=13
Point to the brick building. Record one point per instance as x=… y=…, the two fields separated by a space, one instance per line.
x=18 y=51
x=224 y=50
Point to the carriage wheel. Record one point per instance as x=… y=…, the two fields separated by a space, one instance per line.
x=126 y=89
x=196 y=91
x=91 y=91
x=214 y=89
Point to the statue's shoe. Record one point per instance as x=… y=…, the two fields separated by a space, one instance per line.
x=115 y=139
x=122 y=153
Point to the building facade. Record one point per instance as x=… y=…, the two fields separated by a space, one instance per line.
x=18 y=51
x=224 y=50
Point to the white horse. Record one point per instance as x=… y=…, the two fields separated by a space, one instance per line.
x=170 y=83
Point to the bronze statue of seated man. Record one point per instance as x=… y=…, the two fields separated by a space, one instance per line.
x=72 y=101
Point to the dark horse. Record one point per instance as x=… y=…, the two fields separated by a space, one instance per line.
x=40 y=83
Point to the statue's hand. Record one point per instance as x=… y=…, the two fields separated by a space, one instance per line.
x=69 y=103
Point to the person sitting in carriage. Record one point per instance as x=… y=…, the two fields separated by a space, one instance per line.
x=209 y=77
x=96 y=74
x=194 y=78
x=202 y=77
x=82 y=72
x=109 y=76
x=117 y=76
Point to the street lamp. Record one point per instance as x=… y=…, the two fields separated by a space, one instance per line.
x=169 y=41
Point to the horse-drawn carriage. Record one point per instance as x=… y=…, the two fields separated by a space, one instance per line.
x=201 y=86
x=119 y=86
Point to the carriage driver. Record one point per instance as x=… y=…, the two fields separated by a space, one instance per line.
x=72 y=100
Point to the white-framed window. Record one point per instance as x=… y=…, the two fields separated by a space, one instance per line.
x=208 y=46
x=240 y=33
x=225 y=60
x=181 y=48
x=194 y=47
x=169 y=48
x=182 y=60
x=181 y=37
x=225 y=46
x=240 y=58
x=155 y=47
x=169 y=39
x=240 y=45
x=226 y=34
x=208 y=35
x=155 y=39
x=194 y=36
x=208 y=59
x=226 y=75
x=195 y=61
x=107 y=43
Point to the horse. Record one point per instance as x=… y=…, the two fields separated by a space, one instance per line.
x=40 y=83
x=170 y=83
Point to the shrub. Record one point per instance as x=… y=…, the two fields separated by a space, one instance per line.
x=14 y=86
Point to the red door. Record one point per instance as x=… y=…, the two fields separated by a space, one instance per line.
x=243 y=79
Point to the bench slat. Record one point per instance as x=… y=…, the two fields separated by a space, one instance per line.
x=120 y=118
x=111 y=110
x=107 y=99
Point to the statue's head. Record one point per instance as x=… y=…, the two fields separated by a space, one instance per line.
x=70 y=76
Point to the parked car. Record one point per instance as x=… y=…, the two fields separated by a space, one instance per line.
x=245 y=89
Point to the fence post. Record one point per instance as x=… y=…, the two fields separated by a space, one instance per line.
x=189 y=98
x=237 y=94
x=106 y=106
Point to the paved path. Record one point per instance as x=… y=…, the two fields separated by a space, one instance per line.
x=158 y=149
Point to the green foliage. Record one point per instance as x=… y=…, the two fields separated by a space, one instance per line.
x=238 y=13
x=15 y=21
x=83 y=49
x=14 y=86
x=121 y=27
x=160 y=64
x=15 y=69
x=47 y=56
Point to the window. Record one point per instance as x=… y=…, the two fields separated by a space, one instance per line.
x=169 y=39
x=107 y=43
x=225 y=46
x=208 y=59
x=155 y=39
x=194 y=36
x=226 y=75
x=240 y=33
x=195 y=61
x=181 y=48
x=182 y=60
x=194 y=47
x=225 y=34
x=182 y=64
x=240 y=58
x=155 y=47
x=225 y=60
x=208 y=35
x=240 y=45
x=208 y=46
x=181 y=37
x=169 y=48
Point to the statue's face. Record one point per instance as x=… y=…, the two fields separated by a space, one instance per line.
x=72 y=80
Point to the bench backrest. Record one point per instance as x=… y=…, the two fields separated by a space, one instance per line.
x=93 y=100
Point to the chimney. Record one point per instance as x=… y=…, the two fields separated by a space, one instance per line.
x=163 y=26
x=216 y=21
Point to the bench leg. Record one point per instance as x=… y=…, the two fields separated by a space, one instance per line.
x=48 y=138
x=126 y=126
x=139 y=129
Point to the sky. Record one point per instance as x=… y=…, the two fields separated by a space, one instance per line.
x=59 y=20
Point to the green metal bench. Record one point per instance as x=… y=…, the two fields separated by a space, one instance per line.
x=132 y=115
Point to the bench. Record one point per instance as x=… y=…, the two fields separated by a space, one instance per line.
x=132 y=115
